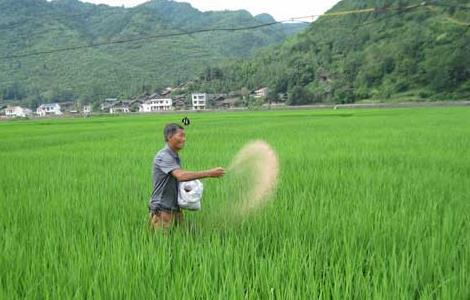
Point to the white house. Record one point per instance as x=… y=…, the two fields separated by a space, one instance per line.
x=49 y=109
x=119 y=107
x=87 y=109
x=158 y=104
x=263 y=92
x=199 y=101
x=17 y=111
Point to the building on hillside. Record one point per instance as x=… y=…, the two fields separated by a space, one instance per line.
x=179 y=104
x=69 y=107
x=154 y=96
x=158 y=104
x=86 y=109
x=199 y=101
x=119 y=107
x=18 y=111
x=49 y=109
x=107 y=104
x=134 y=105
x=227 y=103
x=217 y=97
x=263 y=92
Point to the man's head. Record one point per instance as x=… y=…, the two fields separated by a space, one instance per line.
x=174 y=136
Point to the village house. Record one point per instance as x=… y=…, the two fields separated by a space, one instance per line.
x=49 y=109
x=199 y=101
x=107 y=104
x=86 y=109
x=119 y=107
x=17 y=111
x=179 y=102
x=134 y=105
x=263 y=92
x=157 y=104
x=154 y=96
x=227 y=103
x=69 y=107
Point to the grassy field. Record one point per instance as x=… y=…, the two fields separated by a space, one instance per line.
x=369 y=204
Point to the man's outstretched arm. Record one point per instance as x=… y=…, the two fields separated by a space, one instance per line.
x=182 y=175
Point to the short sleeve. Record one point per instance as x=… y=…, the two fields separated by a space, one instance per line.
x=166 y=163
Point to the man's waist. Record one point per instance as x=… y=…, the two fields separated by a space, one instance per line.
x=157 y=206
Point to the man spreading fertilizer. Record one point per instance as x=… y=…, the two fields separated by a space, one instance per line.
x=167 y=172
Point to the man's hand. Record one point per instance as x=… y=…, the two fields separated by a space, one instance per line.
x=216 y=172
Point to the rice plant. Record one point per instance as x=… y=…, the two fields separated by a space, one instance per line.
x=369 y=204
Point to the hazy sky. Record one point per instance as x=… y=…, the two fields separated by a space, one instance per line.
x=280 y=10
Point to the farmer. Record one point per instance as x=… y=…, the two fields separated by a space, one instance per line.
x=167 y=172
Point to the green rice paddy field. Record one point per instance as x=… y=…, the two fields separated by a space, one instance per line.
x=369 y=204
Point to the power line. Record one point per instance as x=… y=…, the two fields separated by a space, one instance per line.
x=94 y=20
x=394 y=11
x=450 y=5
x=138 y=39
x=452 y=20
x=184 y=32
x=357 y=11
x=181 y=34
x=160 y=36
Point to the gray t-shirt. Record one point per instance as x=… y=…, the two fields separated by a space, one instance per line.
x=165 y=186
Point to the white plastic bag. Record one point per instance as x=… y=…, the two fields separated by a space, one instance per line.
x=190 y=194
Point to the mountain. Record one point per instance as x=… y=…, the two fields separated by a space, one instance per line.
x=399 y=50
x=67 y=50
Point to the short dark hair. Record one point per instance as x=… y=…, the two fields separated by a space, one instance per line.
x=170 y=130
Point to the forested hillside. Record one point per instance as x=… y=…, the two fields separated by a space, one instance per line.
x=159 y=54
x=403 y=50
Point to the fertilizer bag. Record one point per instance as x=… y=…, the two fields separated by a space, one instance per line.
x=190 y=194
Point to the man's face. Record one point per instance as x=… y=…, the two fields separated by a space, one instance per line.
x=177 y=140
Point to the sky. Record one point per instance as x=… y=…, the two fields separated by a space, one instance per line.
x=280 y=10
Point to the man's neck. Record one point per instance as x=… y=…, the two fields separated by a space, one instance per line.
x=172 y=148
